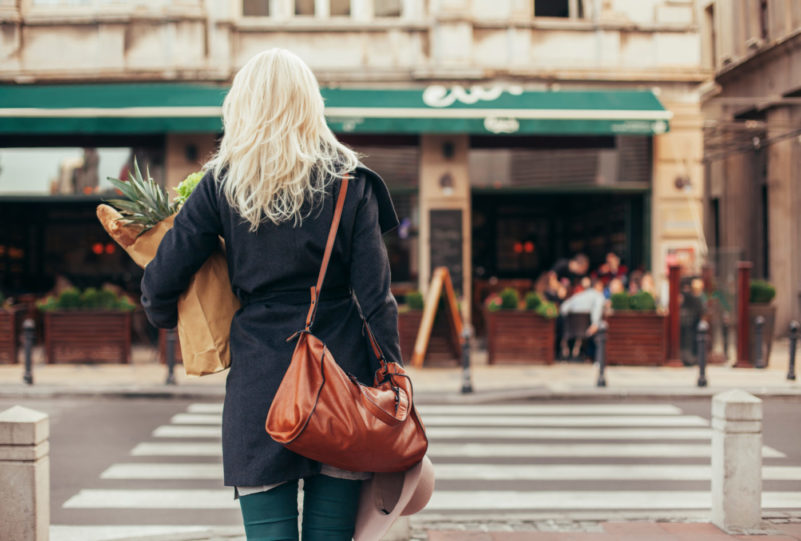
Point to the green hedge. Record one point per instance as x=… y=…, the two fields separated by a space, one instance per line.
x=762 y=292
x=414 y=300
x=88 y=299
x=641 y=301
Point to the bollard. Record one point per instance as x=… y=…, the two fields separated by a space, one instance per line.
x=170 y=347
x=725 y=329
x=701 y=338
x=29 y=336
x=600 y=353
x=24 y=475
x=759 y=326
x=736 y=460
x=793 y=342
x=467 y=385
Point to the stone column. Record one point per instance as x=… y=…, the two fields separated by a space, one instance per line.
x=784 y=197
x=736 y=460
x=24 y=475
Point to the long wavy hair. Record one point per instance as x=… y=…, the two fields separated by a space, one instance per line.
x=277 y=150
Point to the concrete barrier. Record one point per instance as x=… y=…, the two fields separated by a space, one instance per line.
x=24 y=475
x=736 y=461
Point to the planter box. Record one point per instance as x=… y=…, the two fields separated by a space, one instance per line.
x=517 y=336
x=408 y=325
x=10 y=334
x=87 y=336
x=163 y=348
x=636 y=338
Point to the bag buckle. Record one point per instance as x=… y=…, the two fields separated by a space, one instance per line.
x=296 y=333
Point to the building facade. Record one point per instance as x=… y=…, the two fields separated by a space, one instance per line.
x=511 y=132
x=752 y=141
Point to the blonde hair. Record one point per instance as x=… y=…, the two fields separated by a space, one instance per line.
x=277 y=148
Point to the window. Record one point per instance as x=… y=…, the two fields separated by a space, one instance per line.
x=304 y=7
x=573 y=9
x=256 y=8
x=387 y=8
x=340 y=8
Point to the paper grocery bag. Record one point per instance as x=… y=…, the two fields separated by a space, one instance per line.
x=205 y=309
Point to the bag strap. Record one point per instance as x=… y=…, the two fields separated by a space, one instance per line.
x=329 y=245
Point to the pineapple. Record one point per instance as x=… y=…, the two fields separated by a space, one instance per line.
x=147 y=203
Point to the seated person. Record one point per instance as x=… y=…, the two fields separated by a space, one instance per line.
x=590 y=301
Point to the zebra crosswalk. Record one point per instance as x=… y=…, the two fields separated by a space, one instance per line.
x=488 y=459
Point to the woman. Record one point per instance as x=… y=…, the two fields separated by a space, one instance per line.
x=269 y=192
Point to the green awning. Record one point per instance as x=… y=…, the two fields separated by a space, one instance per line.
x=181 y=107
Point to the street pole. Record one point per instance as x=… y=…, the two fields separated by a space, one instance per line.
x=600 y=353
x=703 y=332
x=467 y=385
x=794 y=326
x=29 y=335
x=170 y=346
x=759 y=323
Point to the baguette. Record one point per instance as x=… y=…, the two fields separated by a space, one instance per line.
x=123 y=234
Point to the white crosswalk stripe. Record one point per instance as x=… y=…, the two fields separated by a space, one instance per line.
x=487 y=458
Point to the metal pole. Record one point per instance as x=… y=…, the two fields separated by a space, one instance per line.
x=701 y=337
x=600 y=353
x=794 y=327
x=29 y=336
x=726 y=327
x=170 y=347
x=759 y=324
x=467 y=385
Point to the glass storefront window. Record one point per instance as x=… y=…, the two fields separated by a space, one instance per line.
x=71 y=171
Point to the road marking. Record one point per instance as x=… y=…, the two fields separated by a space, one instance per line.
x=105 y=533
x=177 y=449
x=581 y=472
x=668 y=433
x=537 y=450
x=441 y=500
x=182 y=431
x=153 y=499
x=445 y=500
x=196 y=419
x=549 y=409
x=437 y=432
x=507 y=420
x=589 y=421
x=205 y=407
x=163 y=471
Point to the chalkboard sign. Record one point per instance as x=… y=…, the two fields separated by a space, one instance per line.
x=446 y=243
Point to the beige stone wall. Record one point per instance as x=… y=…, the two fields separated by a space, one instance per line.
x=178 y=147
x=642 y=40
x=677 y=215
x=433 y=165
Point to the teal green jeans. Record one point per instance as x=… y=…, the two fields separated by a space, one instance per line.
x=329 y=511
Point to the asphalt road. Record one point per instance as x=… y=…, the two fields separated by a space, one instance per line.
x=101 y=447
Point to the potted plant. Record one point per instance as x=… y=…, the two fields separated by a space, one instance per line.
x=760 y=302
x=409 y=315
x=520 y=333
x=10 y=323
x=89 y=325
x=637 y=332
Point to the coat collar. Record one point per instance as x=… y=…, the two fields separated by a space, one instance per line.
x=387 y=217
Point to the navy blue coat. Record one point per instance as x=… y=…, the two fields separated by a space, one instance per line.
x=271 y=271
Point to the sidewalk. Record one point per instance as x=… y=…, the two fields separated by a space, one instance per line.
x=144 y=376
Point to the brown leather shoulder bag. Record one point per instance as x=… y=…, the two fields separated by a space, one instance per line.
x=324 y=414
